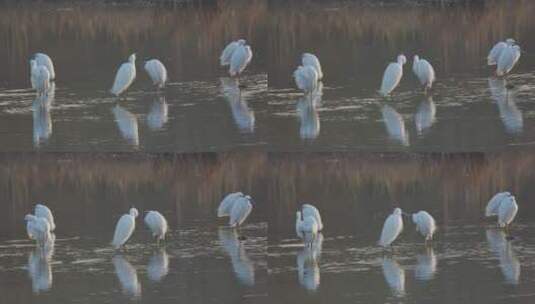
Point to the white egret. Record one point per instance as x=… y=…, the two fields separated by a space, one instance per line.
x=310 y=210
x=507 y=211
x=425 y=224
x=424 y=71
x=157 y=224
x=243 y=116
x=227 y=203
x=426 y=265
x=493 y=205
x=158 y=114
x=226 y=55
x=306 y=228
x=127 y=123
x=242 y=266
x=306 y=78
x=239 y=60
x=395 y=125
x=44 y=60
x=125 y=76
x=507 y=60
x=497 y=49
x=127 y=275
x=394 y=276
x=308 y=59
x=157 y=72
x=40 y=77
x=509 y=264
x=425 y=115
x=392 y=76
x=124 y=228
x=39 y=269
x=38 y=229
x=240 y=210
x=392 y=228
x=44 y=212
x=308 y=270
x=158 y=265
x=309 y=118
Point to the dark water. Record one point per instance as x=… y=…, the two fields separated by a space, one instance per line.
x=201 y=110
x=204 y=262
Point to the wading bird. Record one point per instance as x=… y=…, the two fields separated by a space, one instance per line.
x=392 y=228
x=226 y=55
x=43 y=211
x=308 y=59
x=503 y=205
x=306 y=228
x=125 y=76
x=496 y=51
x=239 y=60
x=237 y=207
x=424 y=71
x=507 y=60
x=44 y=60
x=38 y=229
x=124 y=228
x=392 y=76
x=425 y=224
x=157 y=72
x=310 y=210
x=306 y=78
x=157 y=225
x=40 y=77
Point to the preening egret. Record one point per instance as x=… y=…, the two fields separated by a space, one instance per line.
x=493 y=205
x=392 y=228
x=395 y=125
x=157 y=116
x=243 y=116
x=306 y=78
x=226 y=55
x=306 y=228
x=426 y=265
x=240 y=210
x=242 y=266
x=239 y=60
x=40 y=78
x=424 y=71
x=392 y=76
x=125 y=76
x=158 y=265
x=310 y=210
x=425 y=224
x=394 y=276
x=127 y=275
x=425 y=115
x=44 y=212
x=40 y=269
x=124 y=228
x=509 y=264
x=308 y=270
x=157 y=72
x=38 y=229
x=309 y=117
x=127 y=123
x=308 y=59
x=157 y=224
x=227 y=203
x=507 y=211
x=44 y=60
x=508 y=59
x=496 y=51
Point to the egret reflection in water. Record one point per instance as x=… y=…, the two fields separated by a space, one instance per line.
x=425 y=115
x=510 y=115
x=308 y=270
x=509 y=263
x=158 y=114
x=307 y=110
x=127 y=275
x=39 y=267
x=395 y=125
x=242 y=115
x=394 y=276
x=426 y=265
x=42 y=121
x=158 y=266
x=127 y=123
x=241 y=264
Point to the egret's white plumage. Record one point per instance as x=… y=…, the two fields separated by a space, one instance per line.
x=395 y=125
x=306 y=228
x=242 y=266
x=125 y=76
x=38 y=229
x=124 y=228
x=424 y=71
x=158 y=114
x=507 y=211
x=308 y=59
x=127 y=123
x=127 y=275
x=392 y=228
x=426 y=265
x=40 y=77
x=158 y=265
x=44 y=60
x=310 y=210
x=44 y=212
x=394 y=276
x=226 y=55
x=425 y=224
x=306 y=78
x=507 y=60
x=227 y=203
x=239 y=60
x=496 y=51
x=240 y=210
x=425 y=115
x=392 y=76
x=157 y=224
x=493 y=205
x=157 y=72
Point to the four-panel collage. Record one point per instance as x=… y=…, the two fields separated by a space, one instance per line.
x=267 y=151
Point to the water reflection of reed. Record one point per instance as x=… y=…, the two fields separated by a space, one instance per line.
x=343 y=186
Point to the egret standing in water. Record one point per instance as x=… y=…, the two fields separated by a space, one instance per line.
x=237 y=207
x=496 y=51
x=157 y=225
x=508 y=58
x=424 y=71
x=239 y=60
x=425 y=224
x=40 y=77
x=392 y=76
x=124 y=228
x=306 y=78
x=44 y=60
x=392 y=228
x=125 y=76
x=306 y=228
x=157 y=72
x=503 y=205
x=308 y=59
x=310 y=210
x=43 y=211
x=38 y=229
x=226 y=55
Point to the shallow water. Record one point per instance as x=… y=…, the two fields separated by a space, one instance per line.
x=202 y=110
